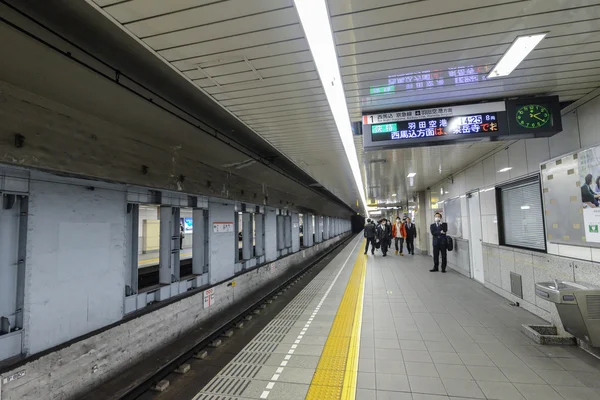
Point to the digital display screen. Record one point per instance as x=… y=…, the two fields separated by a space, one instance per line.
x=385 y=128
x=435 y=127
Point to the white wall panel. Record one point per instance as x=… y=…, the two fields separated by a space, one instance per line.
x=538 y=151
x=589 y=121
x=501 y=162
x=475 y=177
x=76 y=262
x=567 y=140
x=517 y=159
x=489 y=172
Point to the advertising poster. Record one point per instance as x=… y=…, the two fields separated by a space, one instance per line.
x=589 y=174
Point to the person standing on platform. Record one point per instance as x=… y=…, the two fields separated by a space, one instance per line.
x=385 y=234
x=411 y=235
x=438 y=232
x=370 y=236
x=399 y=233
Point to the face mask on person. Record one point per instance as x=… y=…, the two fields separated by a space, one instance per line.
x=397 y=219
x=437 y=219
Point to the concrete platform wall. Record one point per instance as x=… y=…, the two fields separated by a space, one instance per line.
x=72 y=370
x=76 y=268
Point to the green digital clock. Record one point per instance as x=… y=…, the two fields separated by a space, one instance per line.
x=533 y=116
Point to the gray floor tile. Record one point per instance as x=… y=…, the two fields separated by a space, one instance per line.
x=578 y=392
x=390 y=367
x=541 y=363
x=446 y=358
x=538 y=392
x=439 y=346
x=416 y=356
x=493 y=374
x=366 y=394
x=454 y=371
x=409 y=335
x=467 y=347
x=463 y=388
x=522 y=375
x=388 y=354
x=387 y=344
x=386 y=335
x=526 y=351
x=434 y=337
x=560 y=378
x=500 y=391
x=574 y=364
x=386 y=395
x=366 y=380
x=367 y=352
x=421 y=396
x=392 y=382
x=421 y=369
x=366 y=365
x=476 y=359
x=591 y=379
x=427 y=385
x=486 y=339
x=412 y=345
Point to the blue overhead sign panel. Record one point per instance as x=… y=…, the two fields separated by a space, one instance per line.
x=442 y=125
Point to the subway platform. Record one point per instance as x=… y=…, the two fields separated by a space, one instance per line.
x=369 y=327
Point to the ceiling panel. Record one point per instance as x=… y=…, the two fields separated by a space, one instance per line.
x=395 y=43
x=252 y=57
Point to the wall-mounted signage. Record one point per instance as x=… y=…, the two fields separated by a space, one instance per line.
x=515 y=119
x=222 y=227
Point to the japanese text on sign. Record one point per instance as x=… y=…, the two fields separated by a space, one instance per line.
x=471 y=124
x=222 y=227
x=209 y=297
x=433 y=113
x=434 y=78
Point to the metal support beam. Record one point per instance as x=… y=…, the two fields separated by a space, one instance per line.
x=199 y=242
x=247 y=236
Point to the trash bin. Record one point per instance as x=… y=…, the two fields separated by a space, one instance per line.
x=578 y=306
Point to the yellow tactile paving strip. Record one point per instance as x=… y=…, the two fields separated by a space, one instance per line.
x=335 y=377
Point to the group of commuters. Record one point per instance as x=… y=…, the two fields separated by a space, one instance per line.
x=591 y=195
x=380 y=235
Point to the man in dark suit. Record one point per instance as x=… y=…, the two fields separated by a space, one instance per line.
x=411 y=235
x=370 y=236
x=438 y=232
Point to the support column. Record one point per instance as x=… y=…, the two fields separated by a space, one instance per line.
x=325 y=228
x=165 y=272
x=308 y=230
x=199 y=240
x=319 y=228
x=260 y=234
x=295 y=232
x=133 y=229
x=247 y=237
x=176 y=244
x=271 y=234
x=222 y=240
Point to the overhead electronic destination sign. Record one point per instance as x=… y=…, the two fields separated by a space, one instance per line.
x=539 y=117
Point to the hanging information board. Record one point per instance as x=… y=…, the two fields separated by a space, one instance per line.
x=515 y=119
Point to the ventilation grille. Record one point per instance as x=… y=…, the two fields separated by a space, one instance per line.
x=516 y=285
x=593 y=306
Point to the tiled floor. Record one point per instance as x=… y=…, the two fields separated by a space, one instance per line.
x=433 y=336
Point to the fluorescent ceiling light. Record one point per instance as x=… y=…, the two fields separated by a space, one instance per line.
x=505 y=169
x=525 y=207
x=315 y=21
x=394 y=195
x=411 y=175
x=515 y=54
